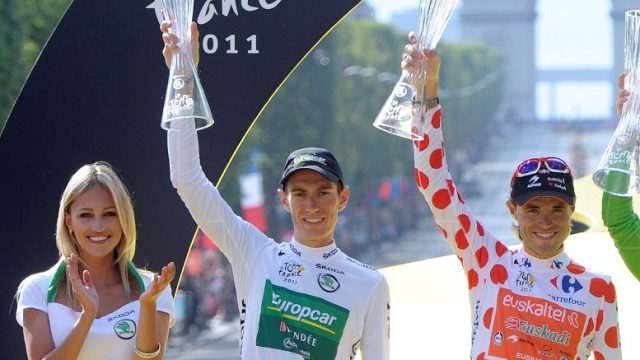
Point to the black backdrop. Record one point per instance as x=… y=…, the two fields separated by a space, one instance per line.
x=96 y=93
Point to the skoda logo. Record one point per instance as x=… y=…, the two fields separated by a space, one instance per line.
x=328 y=282
x=125 y=329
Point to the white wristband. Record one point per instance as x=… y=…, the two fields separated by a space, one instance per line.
x=148 y=355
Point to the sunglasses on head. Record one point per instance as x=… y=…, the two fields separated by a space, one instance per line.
x=532 y=166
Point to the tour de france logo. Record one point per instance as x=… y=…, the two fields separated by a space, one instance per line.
x=125 y=329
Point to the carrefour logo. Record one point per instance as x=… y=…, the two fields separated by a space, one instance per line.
x=567 y=284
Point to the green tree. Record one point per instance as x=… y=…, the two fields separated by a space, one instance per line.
x=322 y=105
x=467 y=115
x=11 y=68
x=25 y=29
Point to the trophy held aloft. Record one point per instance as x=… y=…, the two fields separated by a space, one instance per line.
x=617 y=172
x=401 y=114
x=184 y=98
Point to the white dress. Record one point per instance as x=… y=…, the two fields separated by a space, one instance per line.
x=111 y=337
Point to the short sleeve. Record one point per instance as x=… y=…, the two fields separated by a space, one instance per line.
x=32 y=293
x=166 y=304
x=165 y=301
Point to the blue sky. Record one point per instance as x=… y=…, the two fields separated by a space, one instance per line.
x=569 y=34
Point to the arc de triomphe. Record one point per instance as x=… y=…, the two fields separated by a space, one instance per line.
x=508 y=25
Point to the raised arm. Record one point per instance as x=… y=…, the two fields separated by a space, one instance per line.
x=617 y=211
x=237 y=239
x=465 y=234
x=624 y=227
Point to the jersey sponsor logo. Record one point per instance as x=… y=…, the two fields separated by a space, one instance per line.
x=498 y=338
x=534 y=182
x=521 y=356
x=292 y=346
x=517 y=339
x=361 y=264
x=300 y=323
x=125 y=328
x=329 y=268
x=328 y=283
x=525 y=281
x=546 y=351
x=243 y=317
x=557 y=183
x=567 y=284
x=294 y=249
x=523 y=262
x=534 y=327
x=354 y=349
x=121 y=315
x=528 y=306
x=290 y=272
x=476 y=323
x=561 y=337
x=567 y=300
x=295 y=337
x=330 y=253
x=309 y=157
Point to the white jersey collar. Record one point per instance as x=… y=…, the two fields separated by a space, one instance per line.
x=320 y=254
x=560 y=261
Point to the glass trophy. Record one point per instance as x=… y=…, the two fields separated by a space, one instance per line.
x=617 y=172
x=399 y=115
x=184 y=98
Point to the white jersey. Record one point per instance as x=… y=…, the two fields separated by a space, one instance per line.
x=111 y=337
x=295 y=302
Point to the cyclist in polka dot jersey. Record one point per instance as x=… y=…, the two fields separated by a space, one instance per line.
x=534 y=302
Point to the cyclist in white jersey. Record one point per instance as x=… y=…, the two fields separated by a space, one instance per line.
x=302 y=299
x=534 y=302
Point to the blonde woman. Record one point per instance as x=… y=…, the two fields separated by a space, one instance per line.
x=94 y=303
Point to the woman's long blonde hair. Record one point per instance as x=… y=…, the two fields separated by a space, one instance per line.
x=99 y=173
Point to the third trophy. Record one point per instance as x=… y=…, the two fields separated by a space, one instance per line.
x=617 y=172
